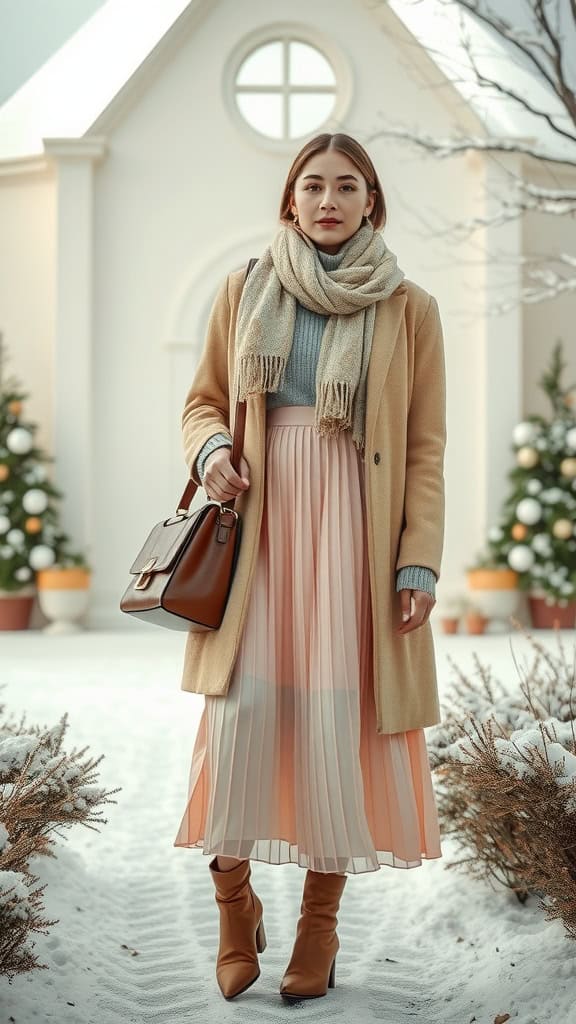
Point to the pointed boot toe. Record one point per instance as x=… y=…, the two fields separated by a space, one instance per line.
x=312 y=967
x=242 y=934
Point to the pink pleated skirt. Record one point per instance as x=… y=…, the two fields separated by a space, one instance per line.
x=288 y=767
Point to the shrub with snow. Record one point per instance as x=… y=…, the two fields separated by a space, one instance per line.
x=42 y=789
x=506 y=769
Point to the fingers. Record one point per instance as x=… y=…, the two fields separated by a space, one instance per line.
x=221 y=481
x=416 y=605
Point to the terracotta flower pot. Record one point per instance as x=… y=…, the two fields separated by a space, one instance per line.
x=475 y=622
x=16 y=607
x=551 y=616
x=450 y=623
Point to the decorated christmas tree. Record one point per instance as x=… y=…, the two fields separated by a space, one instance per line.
x=29 y=535
x=536 y=532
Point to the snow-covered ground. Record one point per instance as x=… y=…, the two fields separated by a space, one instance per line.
x=138 y=924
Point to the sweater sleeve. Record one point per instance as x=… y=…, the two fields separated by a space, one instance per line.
x=416 y=577
x=209 y=446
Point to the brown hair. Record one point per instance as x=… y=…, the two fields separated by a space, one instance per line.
x=344 y=144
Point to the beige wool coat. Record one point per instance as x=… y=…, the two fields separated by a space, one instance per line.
x=404 y=480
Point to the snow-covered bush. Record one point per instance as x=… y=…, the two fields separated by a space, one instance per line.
x=506 y=770
x=42 y=790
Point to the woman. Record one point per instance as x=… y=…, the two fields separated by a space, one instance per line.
x=325 y=660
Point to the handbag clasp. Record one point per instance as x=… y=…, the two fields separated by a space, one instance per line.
x=145 y=576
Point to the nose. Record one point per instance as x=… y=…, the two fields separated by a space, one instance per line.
x=327 y=202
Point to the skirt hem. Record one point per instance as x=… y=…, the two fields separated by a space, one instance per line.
x=406 y=866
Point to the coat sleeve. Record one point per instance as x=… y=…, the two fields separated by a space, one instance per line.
x=422 y=537
x=207 y=408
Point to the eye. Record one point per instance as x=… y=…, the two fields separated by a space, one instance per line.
x=308 y=187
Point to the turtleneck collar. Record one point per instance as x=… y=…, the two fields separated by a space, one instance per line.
x=331 y=260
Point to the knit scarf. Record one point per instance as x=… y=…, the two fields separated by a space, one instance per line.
x=289 y=270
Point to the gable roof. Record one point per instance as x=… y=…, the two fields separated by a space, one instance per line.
x=77 y=91
x=69 y=93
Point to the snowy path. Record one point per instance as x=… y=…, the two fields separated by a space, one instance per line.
x=138 y=924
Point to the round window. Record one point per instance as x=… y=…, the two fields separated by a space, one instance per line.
x=285 y=88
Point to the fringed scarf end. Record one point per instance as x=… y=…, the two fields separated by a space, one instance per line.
x=258 y=372
x=333 y=411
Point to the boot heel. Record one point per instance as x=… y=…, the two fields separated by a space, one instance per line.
x=331 y=979
x=261 y=937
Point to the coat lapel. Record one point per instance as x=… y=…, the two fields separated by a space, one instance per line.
x=387 y=329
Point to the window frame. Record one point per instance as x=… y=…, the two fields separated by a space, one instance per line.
x=287 y=32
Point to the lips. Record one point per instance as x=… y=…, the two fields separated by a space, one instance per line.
x=329 y=220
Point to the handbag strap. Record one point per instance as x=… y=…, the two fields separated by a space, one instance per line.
x=237 y=437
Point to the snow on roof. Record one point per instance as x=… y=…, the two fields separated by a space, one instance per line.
x=69 y=92
x=66 y=96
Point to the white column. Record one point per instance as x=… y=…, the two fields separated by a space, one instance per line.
x=72 y=363
x=501 y=382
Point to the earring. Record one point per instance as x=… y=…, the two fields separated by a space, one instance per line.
x=295 y=216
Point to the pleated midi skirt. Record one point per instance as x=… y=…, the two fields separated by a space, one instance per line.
x=287 y=767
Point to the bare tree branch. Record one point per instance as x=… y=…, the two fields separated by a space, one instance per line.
x=507 y=31
x=562 y=90
x=545 y=276
x=451 y=147
x=485 y=82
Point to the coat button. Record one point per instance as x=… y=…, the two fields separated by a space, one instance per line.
x=376 y=457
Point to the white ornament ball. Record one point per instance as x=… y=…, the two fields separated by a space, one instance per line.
x=525 y=433
x=41 y=557
x=571 y=439
x=562 y=529
x=534 y=486
x=15 y=537
x=4 y=524
x=541 y=544
x=19 y=441
x=528 y=511
x=35 y=501
x=7 y=496
x=495 y=533
x=37 y=475
x=527 y=457
x=520 y=558
x=23 y=574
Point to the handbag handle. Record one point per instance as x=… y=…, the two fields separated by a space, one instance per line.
x=237 y=439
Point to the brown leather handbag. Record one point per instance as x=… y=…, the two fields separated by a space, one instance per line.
x=182 y=576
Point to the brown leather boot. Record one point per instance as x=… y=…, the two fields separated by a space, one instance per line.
x=311 y=971
x=242 y=934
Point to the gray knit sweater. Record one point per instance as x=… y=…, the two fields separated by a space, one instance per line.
x=299 y=388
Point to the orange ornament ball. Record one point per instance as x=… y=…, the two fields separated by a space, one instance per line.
x=33 y=524
x=4 y=472
x=519 y=531
x=14 y=407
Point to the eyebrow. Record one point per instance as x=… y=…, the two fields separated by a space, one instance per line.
x=340 y=177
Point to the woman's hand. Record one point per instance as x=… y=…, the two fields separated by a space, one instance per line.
x=423 y=605
x=221 y=481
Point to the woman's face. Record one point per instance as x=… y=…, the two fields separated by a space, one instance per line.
x=331 y=186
